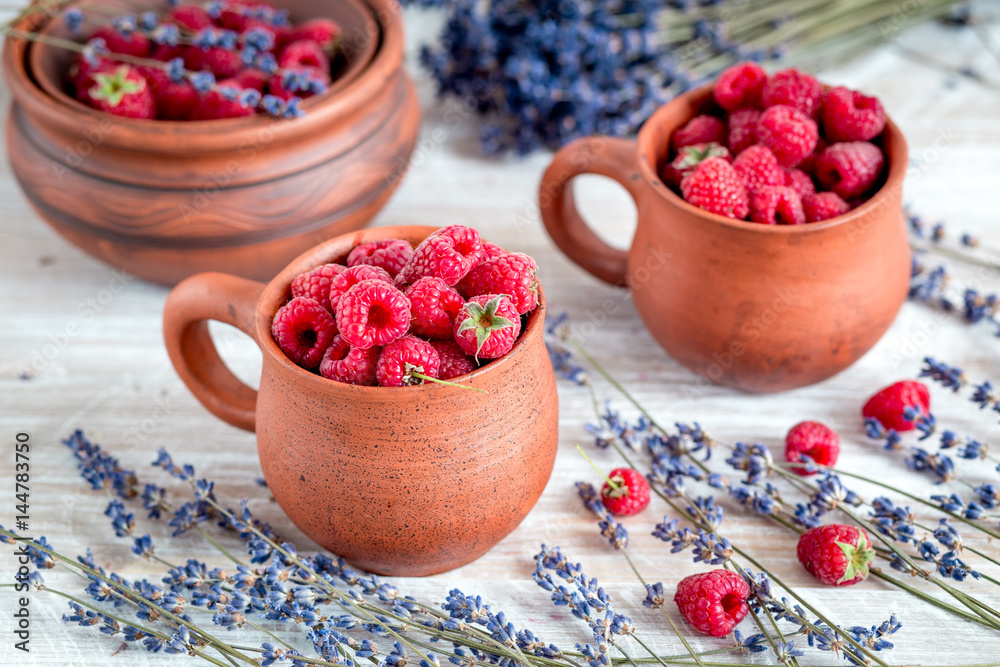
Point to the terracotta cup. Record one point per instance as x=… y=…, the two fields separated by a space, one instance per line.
x=402 y=481
x=762 y=308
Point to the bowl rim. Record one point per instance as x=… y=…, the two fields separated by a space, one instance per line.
x=277 y=291
x=647 y=153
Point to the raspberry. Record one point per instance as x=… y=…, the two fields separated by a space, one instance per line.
x=189 y=17
x=743 y=129
x=433 y=305
x=852 y=116
x=303 y=329
x=740 y=86
x=491 y=250
x=776 y=205
x=800 y=181
x=390 y=255
x=630 y=495
x=249 y=78
x=817 y=441
x=716 y=187
x=850 y=169
x=322 y=31
x=790 y=134
x=316 y=284
x=887 y=405
x=449 y=254
x=217 y=105
x=136 y=44
x=304 y=54
x=512 y=274
x=350 y=365
x=700 y=130
x=349 y=277
x=80 y=68
x=792 y=88
x=487 y=326
x=758 y=167
x=836 y=554
x=823 y=206
x=401 y=358
x=373 y=313
x=122 y=91
x=713 y=602
x=454 y=360
x=223 y=63
x=688 y=158
x=175 y=101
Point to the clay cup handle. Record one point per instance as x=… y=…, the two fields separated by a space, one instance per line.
x=606 y=156
x=200 y=298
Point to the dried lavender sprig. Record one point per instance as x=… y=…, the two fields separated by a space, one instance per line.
x=984 y=394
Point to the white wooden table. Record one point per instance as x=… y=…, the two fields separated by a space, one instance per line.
x=111 y=377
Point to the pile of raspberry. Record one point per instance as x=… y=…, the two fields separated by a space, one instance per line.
x=302 y=53
x=392 y=315
x=778 y=149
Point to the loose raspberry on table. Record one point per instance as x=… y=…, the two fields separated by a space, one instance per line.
x=449 y=254
x=800 y=181
x=850 y=168
x=793 y=88
x=351 y=276
x=852 y=116
x=823 y=206
x=836 y=554
x=713 y=602
x=757 y=166
x=740 y=86
x=433 y=307
x=815 y=440
x=373 y=313
x=351 y=365
x=776 y=205
x=688 y=158
x=303 y=329
x=454 y=360
x=790 y=134
x=401 y=359
x=316 y=283
x=513 y=274
x=389 y=254
x=889 y=404
x=716 y=187
x=700 y=130
x=487 y=326
x=743 y=129
x=629 y=496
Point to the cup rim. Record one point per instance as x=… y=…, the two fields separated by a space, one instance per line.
x=277 y=291
x=646 y=154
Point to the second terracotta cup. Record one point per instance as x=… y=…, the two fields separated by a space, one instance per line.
x=760 y=307
x=403 y=481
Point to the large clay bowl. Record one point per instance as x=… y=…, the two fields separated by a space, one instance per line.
x=403 y=481
x=165 y=200
x=762 y=308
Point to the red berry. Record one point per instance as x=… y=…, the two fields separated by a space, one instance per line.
x=630 y=494
x=222 y=102
x=688 y=158
x=487 y=326
x=223 y=63
x=850 y=169
x=887 y=405
x=491 y=250
x=800 y=181
x=793 y=88
x=776 y=205
x=433 y=305
x=316 y=284
x=758 y=167
x=189 y=17
x=350 y=365
x=401 y=358
x=743 y=129
x=249 y=78
x=303 y=329
x=390 y=254
x=351 y=276
x=817 y=441
x=852 y=116
x=823 y=206
x=454 y=360
x=136 y=44
x=449 y=254
x=713 y=602
x=790 y=134
x=80 y=68
x=176 y=101
x=740 y=86
x=304 y=54
x=122 y=91
x=716 y=187
x=322 y=31
x=512 y=274
x=373 y=313
x=836 y=554
x=700 y=130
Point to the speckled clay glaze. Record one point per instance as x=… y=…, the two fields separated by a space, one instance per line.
x=759 y=307
x=401 y=481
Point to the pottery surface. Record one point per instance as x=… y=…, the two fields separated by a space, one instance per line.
x=165 y=200
x=403 y=481
x=759 y=307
